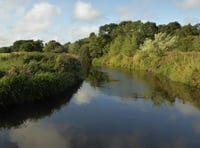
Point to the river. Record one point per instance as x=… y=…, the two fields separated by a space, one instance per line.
x=110 y=109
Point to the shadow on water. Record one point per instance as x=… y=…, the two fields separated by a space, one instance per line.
x=166 y=91
x=113 y=113
x=97 y=78
x=16 y=115
x=143 y=85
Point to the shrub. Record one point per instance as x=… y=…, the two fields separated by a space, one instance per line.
x=37 y=76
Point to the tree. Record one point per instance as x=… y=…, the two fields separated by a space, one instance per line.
x=16 y=45
x=188 y=30
x=67 y=46
x=27 y=45
x=95 y=50
x=149 y=29
x=5 y=49
x=189 y=43
x=107 y=29
x=116 y=46
x=38 y=45
x=54 y=46
x=170 y=28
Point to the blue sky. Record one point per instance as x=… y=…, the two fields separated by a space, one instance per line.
x=70 y=20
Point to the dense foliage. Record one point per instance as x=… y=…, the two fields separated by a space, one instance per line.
x=34 y=76
x=127 y=37
x=31 y=45
x=171 y=50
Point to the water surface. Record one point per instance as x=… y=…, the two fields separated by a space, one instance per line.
x=111 y=109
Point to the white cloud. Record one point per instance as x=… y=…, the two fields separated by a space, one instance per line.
x=38 y=18
x=5 y=40
x=79 y=32
x=190 y=4
x=30 y=26
x=85 y=95
x=10 y=8
x=85 y=12
x=42 y=11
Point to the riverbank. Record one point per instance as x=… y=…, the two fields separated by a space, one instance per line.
x=26 y=77
x=177 y=66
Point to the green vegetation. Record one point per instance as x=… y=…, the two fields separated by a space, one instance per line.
x=31 y=45
x=53 y=46
x=35 y=76
x=171 y=50
x=163 y=91
x=19 y=114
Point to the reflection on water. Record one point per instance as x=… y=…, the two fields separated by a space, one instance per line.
x=84 y=95
x=147 y=86
x=111 y=109
x=38 y=135
x=187 y=109
x=16 y=115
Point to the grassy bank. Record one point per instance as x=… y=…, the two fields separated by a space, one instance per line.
x=35 y=76
x=177 y=66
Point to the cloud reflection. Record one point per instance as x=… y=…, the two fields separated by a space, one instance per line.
x=38 y=135
x=44 y=135
x=187 y=109
x=196 y=127
x=85 y=95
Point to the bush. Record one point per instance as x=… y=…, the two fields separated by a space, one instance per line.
x=37 y=76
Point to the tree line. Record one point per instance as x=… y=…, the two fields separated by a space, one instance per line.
x=171 y=50
x=129 y=37
x=126 y=38
x=31 y=45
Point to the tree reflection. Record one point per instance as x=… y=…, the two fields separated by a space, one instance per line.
x=141 y=84
x=16 y=115
x=97 y=78
x=166 y=91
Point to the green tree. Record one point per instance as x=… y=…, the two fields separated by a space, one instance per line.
x=107 y=29
x=54 y=46
x=27 y=45
x=95 y=50
x=149 y=29
x=67 y=46
x=171 y=28
x=188 y=30
x=5 y=49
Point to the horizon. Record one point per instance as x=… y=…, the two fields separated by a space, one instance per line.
x=68 y=21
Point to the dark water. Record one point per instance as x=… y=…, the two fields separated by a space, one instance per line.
x=111 y=109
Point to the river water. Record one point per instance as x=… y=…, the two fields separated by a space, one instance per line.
x=110 y=109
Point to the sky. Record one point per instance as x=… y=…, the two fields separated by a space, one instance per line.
x=70 y=20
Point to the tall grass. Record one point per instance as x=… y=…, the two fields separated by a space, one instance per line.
x=178 y=66
x=34 y=76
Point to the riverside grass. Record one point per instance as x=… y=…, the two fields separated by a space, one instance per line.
x=177 y=66
x=35 y=76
